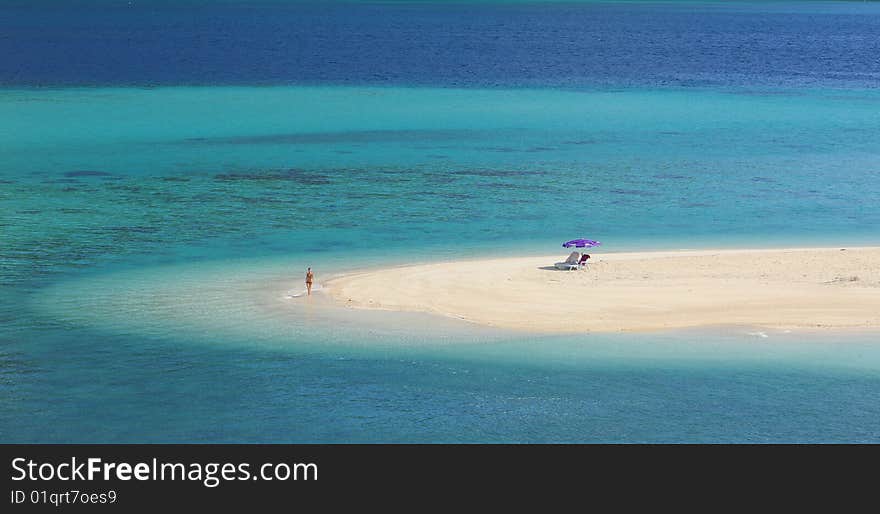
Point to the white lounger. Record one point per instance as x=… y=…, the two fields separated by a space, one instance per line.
x=571 y=263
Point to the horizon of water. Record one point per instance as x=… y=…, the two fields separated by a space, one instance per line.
x=150 y=235
x=474 y=44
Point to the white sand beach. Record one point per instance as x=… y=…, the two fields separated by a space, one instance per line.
x=784 y=288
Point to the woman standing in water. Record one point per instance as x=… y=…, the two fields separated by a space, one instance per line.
x=309 y=277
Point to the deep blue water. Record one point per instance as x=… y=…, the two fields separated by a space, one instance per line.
x=147 y=233
x=463 y=44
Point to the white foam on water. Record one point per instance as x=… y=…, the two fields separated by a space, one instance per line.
x=299 y=293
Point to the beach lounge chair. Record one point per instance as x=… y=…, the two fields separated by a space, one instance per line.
x=571 y=263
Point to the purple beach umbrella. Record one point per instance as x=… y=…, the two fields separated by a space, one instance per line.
x=580 y=243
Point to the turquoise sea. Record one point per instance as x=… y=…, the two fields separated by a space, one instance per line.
x=150 y=233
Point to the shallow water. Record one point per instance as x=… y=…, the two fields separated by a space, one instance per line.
x=151 y=236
